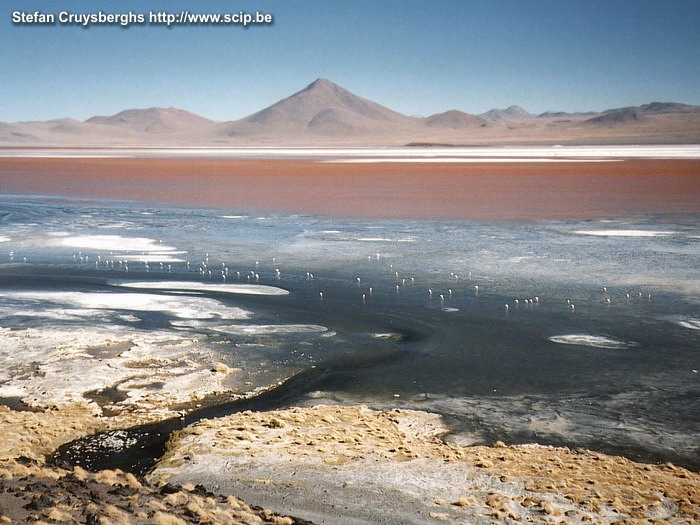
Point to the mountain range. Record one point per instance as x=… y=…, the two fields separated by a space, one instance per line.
x=324 y=113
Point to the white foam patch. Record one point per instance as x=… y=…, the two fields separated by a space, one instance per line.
x=115 y=243
x=596 y=341
x=5 y=239
x=624 y=233
x=246 y=289
x=81 y=303
x=233 y=217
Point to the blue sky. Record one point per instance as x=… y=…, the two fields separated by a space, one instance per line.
x=418 y=58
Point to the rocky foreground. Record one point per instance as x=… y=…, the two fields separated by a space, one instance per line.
x=30 y=493
x=331 y=464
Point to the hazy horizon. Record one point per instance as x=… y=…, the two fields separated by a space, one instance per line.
x=255 y=110
x=415 y=59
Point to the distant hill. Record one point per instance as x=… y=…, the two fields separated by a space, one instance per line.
x=326 y=113
x=455 y=119
x=661 y=107
x=620 y=115
x=560 y=114
x=508 y=113
x=14 y=134
x=153 y=120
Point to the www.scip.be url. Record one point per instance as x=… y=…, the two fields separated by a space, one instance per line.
x=164 y=18
x=187 y=18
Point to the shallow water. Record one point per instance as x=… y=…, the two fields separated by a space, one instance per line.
x=578 y=333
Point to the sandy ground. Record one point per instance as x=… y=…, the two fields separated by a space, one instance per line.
x=351 y=465
x=478 y=191
x=331 y=465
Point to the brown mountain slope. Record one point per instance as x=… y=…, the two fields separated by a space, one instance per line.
x=154 y=120
x=618 y=116
x=321 y=107
x=324 y=113
x=455 y=119
x=504 y=114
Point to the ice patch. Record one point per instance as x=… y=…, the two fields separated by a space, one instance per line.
x=250 y=329
x=596 y=341
x=269 y=329
x=12 y=391
x=54 y=314
x=152 y=258
x=515 y=260
x=247 y=289
x=624 y=233
x=689 y=322
x=115 y=243
x=182 y=307
x=390 y=336
x=46 y=366
x=383 y=239
x=128 y=318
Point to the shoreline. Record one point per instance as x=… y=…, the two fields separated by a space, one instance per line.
x=480 y=191
x=326 y=463
x=341 y=465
